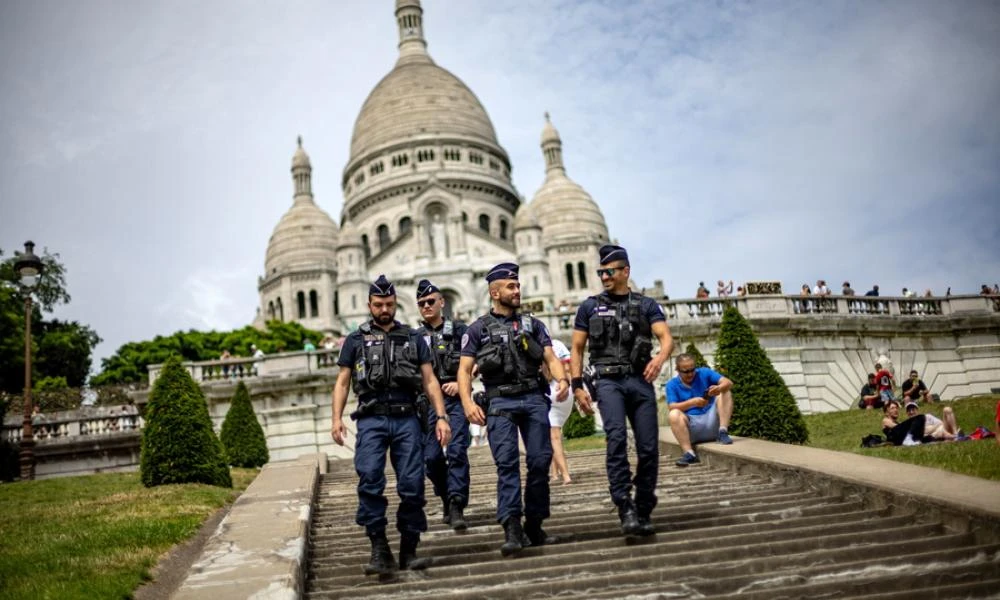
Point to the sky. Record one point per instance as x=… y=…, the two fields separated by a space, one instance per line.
x=149 y=142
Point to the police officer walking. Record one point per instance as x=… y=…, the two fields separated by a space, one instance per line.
x=448 y=474
x=509 y=349
x=619 y=325
x=390 y=364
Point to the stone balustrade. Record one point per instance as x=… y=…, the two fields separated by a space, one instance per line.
x=267 y=366
x=71 y=424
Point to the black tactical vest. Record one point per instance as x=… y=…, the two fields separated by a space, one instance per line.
x=446 y=351
x=509 y=355
x=619 y=333
x=387 y=361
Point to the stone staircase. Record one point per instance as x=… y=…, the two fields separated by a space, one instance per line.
x=720 y=534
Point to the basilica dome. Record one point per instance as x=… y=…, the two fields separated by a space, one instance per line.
x=564 y=209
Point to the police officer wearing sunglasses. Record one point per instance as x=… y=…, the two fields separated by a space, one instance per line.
x=448 y=474
x=619 y=325
x=389 y=363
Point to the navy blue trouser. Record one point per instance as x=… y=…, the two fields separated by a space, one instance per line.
x=630 y=397
x=404 y=440
x=527 y=414
x=449 y=474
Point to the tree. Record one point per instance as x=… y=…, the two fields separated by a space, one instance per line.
x=242 y=436
x=61 y=348
x=763 y=407
x=178 y=443
x=578 y=425
x=699 y=360
x=128 y=364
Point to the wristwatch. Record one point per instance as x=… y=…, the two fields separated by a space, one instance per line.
x=442 y=417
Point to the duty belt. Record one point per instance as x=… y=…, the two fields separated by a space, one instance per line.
x=385 y=409
x=511 y=389
x=612 y=370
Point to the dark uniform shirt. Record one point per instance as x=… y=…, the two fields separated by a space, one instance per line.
x=649 y=308
x=477 y=334
x=355 y=341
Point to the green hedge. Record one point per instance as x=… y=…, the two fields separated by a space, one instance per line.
x=578 y=426
x=178 y=443
x=762 y=405
x=242 y=436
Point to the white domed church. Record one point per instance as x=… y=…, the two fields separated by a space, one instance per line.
x=427 y=194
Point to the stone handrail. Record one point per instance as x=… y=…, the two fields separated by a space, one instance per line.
x=74 y=424
x=270 y=365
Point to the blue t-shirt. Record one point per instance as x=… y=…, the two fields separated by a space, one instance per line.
x=354 y=343
x=477 y=334
x=647 y=306
x=704 y=378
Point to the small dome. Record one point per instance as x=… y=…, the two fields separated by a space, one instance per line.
x=549 y=133
x=300 y=158
x=305 y=237
x=566 y=211
x=404 y=3
x=349 y=236
x=525 y=217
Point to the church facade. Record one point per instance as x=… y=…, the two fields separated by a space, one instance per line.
x=427 y=194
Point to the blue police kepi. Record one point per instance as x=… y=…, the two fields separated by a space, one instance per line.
x=509 y=349
x=389 y=363
x=619 y=325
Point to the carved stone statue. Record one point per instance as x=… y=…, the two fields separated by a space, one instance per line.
x=439 y=238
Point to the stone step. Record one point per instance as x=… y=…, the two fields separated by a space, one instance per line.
x=719 y=534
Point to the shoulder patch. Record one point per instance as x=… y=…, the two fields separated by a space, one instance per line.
x=465 y=340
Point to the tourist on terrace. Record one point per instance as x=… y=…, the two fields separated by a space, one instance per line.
x=872 y=292
x=914 y=389
x=885 y=381
x=702 y=291
x=695 y=416
x=723 y=289
x=328 y=343
x=985 y=290
x=821 y=289
x=805 y=290
x=847 y=290
x=308 y=346
x=256 y=352
x=870 y=398
x=741 y=291
x=908 y=293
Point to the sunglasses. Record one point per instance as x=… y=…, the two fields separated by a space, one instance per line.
x=686 y=371
x=610 y=271
x=428 y=302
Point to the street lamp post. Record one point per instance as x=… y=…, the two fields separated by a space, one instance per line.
x=29 y=267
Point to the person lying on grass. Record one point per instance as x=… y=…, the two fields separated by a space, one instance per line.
x=917 y=428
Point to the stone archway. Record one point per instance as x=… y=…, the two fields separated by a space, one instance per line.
x=452 y=299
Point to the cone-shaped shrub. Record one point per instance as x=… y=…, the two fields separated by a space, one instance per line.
x=241 y=435
x=577 y=425
x=699 y=360
x=762 y=405
x=178 y=444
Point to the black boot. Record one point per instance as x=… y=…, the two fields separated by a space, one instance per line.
x=382 y=562
x=630 y=520
x=646 y=526
x=536 y=535
x=457 y=518
x=408 y=553
x=513 y=536
x=445 y=511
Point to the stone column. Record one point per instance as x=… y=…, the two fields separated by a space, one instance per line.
x=458 y=234
x=423 y=248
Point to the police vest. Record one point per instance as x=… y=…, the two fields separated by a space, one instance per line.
x=619 y=333
x=509 y=355
x=446 y=351
x=387 y=361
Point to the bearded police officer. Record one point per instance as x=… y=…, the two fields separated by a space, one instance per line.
x=390 y=364
x=619 y=325
x=509 y=349
x=448 y=474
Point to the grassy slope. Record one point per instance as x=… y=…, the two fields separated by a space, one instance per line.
x=843 y=431
x=96 y=536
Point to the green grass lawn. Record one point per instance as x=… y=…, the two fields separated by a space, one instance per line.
x=843 y=431
x=96 y=536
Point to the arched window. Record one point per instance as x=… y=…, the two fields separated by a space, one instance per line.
x=367 y=246
x=484 y=223
x=270 y=311
x=336 y=303
x=383 y=237
x=314 y=303
x=281 y=309
x=569 y=277
x=534 y=282
x=302 y=304
x=465 y=217
x=503 y=229
x=405 y=225
x=354 y=302
x=582 y=270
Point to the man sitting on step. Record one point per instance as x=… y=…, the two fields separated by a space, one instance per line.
x=695 y=415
